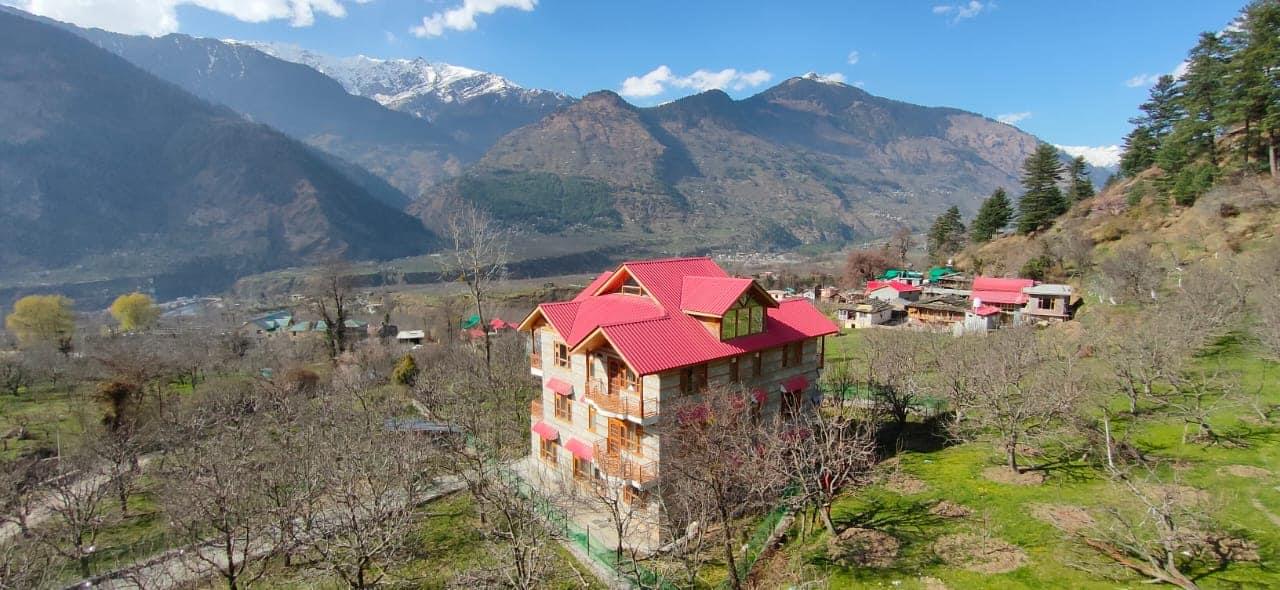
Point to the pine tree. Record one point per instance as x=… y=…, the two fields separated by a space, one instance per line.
x=1043 y=200
x=1202 y=97
x=1139 y=151
x=1081 y=186
x=1162 y=108
x=995 y=213
x=946 y=236
x=1253 y=81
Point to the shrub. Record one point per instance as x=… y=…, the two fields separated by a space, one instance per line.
x=1036 y=268
x=300 y=380
x=406 y=371
x=1228 y=210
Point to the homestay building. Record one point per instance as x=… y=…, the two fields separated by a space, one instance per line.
x=639 y=338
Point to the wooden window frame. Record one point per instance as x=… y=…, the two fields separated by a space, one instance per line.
x=548 y=451
x=564 y=408
x=563 y=359
x=633 y=497
x=786 y=358
x=581 y=469
x=735 y=368
x=591 y=418
x=757 y=364
x=693 y=379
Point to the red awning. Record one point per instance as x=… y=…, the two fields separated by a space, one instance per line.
x=579 y=449
x=759 y=395
x=797 y=383
x=546 y=431
x=559 y=386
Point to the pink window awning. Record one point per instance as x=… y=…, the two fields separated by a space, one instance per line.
x=546 y=431
x=559 y=386
x=797 y=383
x=579 y=449
x=759 y=395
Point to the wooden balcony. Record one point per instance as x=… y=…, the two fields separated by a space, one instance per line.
x=624 y=464
x=535 y=409
x=535 y=360
x=628 y=404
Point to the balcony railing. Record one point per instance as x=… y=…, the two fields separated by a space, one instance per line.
x=623 y=464
x=620 y=402
x=535 y=409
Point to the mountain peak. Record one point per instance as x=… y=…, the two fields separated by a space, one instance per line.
x=816 y=77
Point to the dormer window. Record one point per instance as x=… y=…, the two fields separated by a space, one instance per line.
x=746 y=317
x=631 y=287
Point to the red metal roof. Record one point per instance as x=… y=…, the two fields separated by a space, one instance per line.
x=987 y=310
x=546 y=431
x=898 y=286
x=711 y=295
x=594 y=286
x=797 y=383
x=997 y=290
x=579 y=449
x=655 y=337
x=559 y=386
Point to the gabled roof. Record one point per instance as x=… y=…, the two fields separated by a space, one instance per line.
x=655 y=332
x=986 y=310
x=898 y=286
x=996 y=290
x=715 y=295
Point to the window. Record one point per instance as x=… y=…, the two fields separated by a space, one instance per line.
x=536 y=345
x=635 y=433
x=631 y=287
x=693 y=379
x=549 y=451
x=1044 y=303
x=792 y=354
x=634 y=497
x=581 y=469
x=564 y=408
x=733 y=369
x=822 y=352
x=562 y=355
x=591 y=418
x=757 y=364
x=746 y=317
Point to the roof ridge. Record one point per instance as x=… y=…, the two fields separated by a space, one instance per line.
x=662 y=260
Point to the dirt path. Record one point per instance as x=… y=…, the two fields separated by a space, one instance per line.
x=45 y=509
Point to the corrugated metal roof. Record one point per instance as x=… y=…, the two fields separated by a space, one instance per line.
x=658 y=337
x=711 y=295
x=898 y=286
x=594 y=286
x=997 y=290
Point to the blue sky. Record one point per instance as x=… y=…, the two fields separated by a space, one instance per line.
x=1069 y=72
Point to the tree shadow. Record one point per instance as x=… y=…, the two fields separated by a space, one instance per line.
x=1063 y=467
x=903 y=519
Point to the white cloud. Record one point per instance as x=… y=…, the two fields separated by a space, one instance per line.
x=832 y=77
x=661 y=78
x=965 y=10
x=1142 y=80
x=1013 y=118
x=1102 y=155
x=463 y=18
x=392 y=39
x=854 y=58
x=159 y=17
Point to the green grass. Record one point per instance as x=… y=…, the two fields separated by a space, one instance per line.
x=1003 y=510
x=49 y=413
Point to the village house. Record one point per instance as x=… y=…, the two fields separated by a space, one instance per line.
x=1048 y=302
x=937 y=312
x=1005 y=294
x=897 y=293
x=642 y=336
x=864 y=314
x=910 y=277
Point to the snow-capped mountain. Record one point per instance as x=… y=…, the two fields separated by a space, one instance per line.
x=438 y=92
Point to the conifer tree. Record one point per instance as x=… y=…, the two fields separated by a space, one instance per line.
x=995 y=213
x=946 y=236
x=1139 y=151
x=1253 y=80
x=1081 y=186
x=1043 y=200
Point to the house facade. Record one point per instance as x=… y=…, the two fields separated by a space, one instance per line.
x=643 y=336
x=1048 y=302
x=864 y=314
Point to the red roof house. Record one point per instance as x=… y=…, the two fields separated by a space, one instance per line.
x=1002 y=292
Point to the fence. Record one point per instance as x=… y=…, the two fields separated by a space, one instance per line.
x=927 y=406
x=599 y=552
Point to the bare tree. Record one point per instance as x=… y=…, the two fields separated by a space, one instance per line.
x=1131 y=273
x=20 y=491
x=330 y=295
x=212 y=493
x=77 y=502
x=895 y=366
x=715 y=462
x=14 y=373
x=1021 y=390
x=900 y=244
x=369 y=488
x=864 y=264
x=1159 y=533
x=479 y=260
x=1266 y=296
x=817 y=457
x=26 y=565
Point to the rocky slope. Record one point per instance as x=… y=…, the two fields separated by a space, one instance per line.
x=106 y=170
